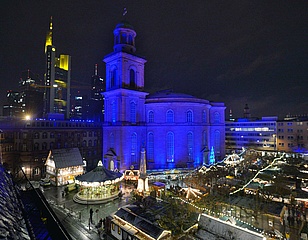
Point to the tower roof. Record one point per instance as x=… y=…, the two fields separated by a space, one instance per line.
x=124 y=24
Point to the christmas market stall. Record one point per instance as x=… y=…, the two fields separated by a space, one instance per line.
x=63 y=165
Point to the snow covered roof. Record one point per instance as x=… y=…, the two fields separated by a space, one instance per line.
x=66 y=157
x=12 y=222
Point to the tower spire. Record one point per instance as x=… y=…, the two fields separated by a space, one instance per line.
x=48 y=41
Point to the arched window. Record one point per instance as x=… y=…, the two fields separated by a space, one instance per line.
x=44 y=135
x=189 y=116
x=190 y=146
x=151 y=116
x=36 y=147
x=204 y=116
x=95 y=143
x=170 y=147
x=36 y=135
x=134 y=148
x=132 y=78
x=90 y=143
x=84 y=143
x=51 y=145
x=133 y=112
x=44 y=146
x=216 y=117
x=150 y=145
x=113 y=78
x=170 y=116
x=113 y=112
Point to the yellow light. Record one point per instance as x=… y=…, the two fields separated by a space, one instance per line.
x=27 y=117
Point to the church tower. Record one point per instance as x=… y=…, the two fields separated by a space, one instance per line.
x=124 y=98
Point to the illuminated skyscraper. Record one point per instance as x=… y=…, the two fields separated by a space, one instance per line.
x=57 y=79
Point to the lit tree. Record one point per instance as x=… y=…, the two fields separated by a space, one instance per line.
x=212 y=156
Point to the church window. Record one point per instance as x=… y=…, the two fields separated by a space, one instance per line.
x=170 y=116
x=216 y=117
x=132 y=78
x=150 y=144
x=190 y=145
x=189 y=116
x=133 y=112
x=113 y=78
x=151 y=116
x=170 y=147
x=134 y=148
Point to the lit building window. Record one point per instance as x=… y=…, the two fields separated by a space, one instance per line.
x=113 y=78
x=170 y=116
x=150 y=145
x=132 y=78
x=189 y=116
x=170 y=147
x=151 y=117
x=133 y=112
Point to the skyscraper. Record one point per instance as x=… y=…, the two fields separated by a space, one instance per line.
x=57 y=80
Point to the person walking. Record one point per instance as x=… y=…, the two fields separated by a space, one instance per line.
x=91 y=215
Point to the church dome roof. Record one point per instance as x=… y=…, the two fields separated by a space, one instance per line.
x=169 y=94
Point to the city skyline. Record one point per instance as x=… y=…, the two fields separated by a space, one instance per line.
x=236 y=53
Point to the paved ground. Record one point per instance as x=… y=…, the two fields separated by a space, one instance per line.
x=75 y=217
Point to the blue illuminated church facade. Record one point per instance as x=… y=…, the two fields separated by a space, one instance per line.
x=177 y=130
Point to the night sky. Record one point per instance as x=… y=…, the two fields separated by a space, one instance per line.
x=235 y=52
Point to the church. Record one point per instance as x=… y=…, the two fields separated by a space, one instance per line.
x=177 y=130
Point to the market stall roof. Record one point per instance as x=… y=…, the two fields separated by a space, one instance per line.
x=100 y=174
x=66 y=157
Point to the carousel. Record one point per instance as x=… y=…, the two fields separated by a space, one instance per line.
x=98 y=186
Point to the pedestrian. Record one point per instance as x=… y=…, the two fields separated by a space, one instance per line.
x=287 y=235
x=91 y=215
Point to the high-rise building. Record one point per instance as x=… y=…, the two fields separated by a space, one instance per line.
x=95 y=107
x=57 y=80
x=28 y=100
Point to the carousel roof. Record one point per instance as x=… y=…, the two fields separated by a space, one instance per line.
x=100 y=174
